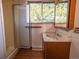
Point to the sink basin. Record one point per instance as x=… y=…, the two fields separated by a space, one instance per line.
x=52 y=37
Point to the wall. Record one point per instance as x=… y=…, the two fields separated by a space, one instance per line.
x=9 y=30
x=36 y=34
x=74 y=47
x=77 y=14
x=19 y=1
x=25 y=1
x=16 y=26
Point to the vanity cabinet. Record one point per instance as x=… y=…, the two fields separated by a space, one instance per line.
x=56 y=50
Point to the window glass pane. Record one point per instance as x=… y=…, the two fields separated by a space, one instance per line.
x=48 y=12
x=35 y=12
x=61 y=14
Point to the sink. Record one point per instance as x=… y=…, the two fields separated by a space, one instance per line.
x=52 y=37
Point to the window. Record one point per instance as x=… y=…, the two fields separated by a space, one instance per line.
x=61 y=14
x=49 y=12
x=35 y=13
x=41 y=13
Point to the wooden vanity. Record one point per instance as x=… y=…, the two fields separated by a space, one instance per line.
x=56 y=47
x=56 y=50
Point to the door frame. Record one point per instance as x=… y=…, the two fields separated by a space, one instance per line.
x=2 y=34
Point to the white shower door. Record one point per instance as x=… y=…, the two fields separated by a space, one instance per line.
x=21 y=32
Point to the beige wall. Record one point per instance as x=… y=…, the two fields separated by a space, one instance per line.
x=8 y=20
x=19 y=1
x=24 y=1
x=36 y=34
x=77 y=14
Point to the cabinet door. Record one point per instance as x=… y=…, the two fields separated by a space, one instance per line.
x=57 y=50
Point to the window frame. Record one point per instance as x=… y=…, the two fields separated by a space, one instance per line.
x=54 y=20
x=67 y=17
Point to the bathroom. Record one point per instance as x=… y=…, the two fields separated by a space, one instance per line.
x=23 y=31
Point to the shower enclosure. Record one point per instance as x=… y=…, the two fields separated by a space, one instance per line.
x=21 y=31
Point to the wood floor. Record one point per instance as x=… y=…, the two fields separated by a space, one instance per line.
x=29 y=54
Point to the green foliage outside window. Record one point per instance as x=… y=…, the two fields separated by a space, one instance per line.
x=46 y=12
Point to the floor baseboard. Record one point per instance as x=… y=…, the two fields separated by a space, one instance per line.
x=12 y=55
x=37 y=49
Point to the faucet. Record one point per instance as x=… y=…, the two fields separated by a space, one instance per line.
x=56 y=33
